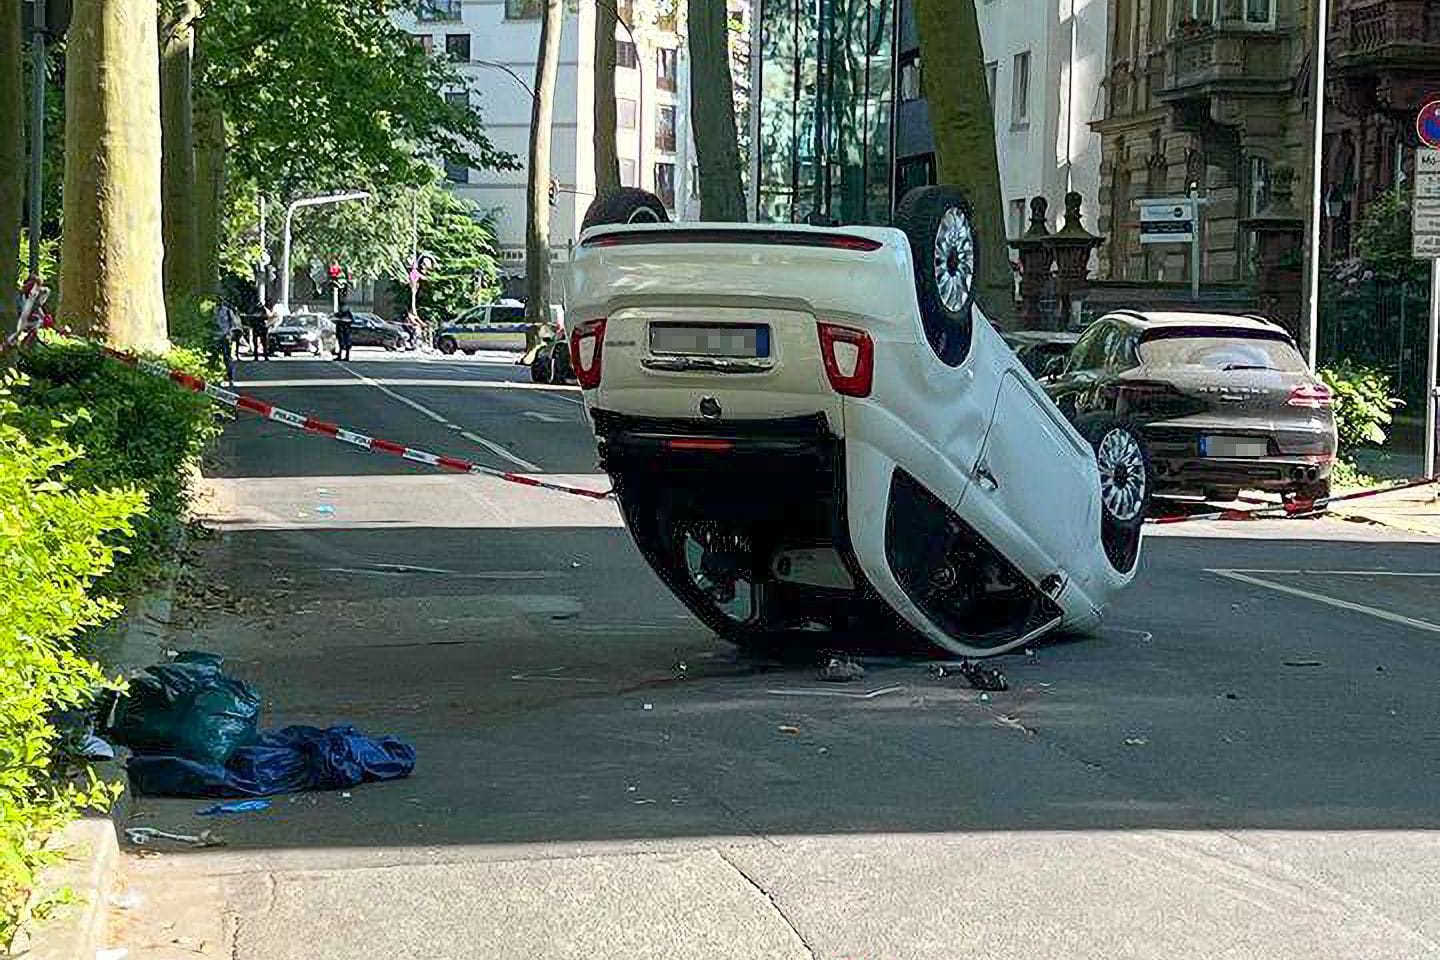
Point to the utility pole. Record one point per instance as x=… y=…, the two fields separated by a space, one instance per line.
x=264 y=262
x=283 y=307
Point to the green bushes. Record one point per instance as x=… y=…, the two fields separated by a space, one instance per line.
x=95 y=464
x=134 y=428
x=1362 y=405
x=56 y=539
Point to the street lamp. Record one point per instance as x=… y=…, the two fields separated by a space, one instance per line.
x=283 y=307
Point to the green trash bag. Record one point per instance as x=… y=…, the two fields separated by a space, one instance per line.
x=187 y=708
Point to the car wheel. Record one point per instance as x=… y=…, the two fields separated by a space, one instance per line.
x=1126 y=482
x=391 y=346
x=628 y=205
x=944 y=249
x=1318 y=490
x=468 y=351
x=540 y=368
x=448 y=345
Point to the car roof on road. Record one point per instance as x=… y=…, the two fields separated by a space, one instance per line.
x=1195 y=318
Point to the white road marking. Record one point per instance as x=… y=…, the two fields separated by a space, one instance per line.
x=560 y=393
x=500 y=451
x=1340 y=573
x=809 y=692
x=1376 y=612
x=543 y=417
x=490 y=445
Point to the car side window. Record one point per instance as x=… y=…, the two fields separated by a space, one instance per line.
x=507 y=314
x=1123 y=352
x=1089 y=351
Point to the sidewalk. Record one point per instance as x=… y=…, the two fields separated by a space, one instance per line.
x=1416 y=510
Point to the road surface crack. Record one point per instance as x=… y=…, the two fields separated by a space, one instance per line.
x=774 y=905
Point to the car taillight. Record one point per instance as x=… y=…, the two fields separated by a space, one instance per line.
x=700 y=444
x=1316 y=396
x=586 y=342
x=849 y=358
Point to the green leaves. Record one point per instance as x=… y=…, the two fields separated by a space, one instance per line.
x=1362 y=404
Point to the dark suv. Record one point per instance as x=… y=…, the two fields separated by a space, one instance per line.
x=1225 y=403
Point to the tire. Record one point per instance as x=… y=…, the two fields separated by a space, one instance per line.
x=939 y=222
x=629 y=205
x=448 y=345
x=392 y=345
x=468 y=351
x=540 y=369
x=1315 y=490
x=1127 y=480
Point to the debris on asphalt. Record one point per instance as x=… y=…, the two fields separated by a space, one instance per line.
x=980 y=677
x=984 y=698
x=837 y=670
x=1303 y=663
x=681 y=670
x=112 y=953
x=234 y=806
x=94 y=748
x=648 y=706
x=1232 y=696
x=575 y=564
x=1135 y=741
x=324 y=508
x=126 y=901
x=140 y=836
x=187 y=706
x=639 y=802
x=787 y=728
x=1014 y=724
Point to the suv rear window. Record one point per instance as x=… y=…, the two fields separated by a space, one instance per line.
x=1219 y=350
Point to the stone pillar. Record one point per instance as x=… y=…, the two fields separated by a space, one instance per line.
x=1279 y=232
x=1036 y=258
x=1072 y=246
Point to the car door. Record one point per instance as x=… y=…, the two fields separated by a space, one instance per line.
x=506 y=328
x=1074 y=389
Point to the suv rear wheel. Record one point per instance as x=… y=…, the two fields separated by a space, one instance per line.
x=944 y=247
x=448 y=345
x=629 y=205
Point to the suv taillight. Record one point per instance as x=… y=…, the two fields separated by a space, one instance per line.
x=586 y=342
x=849 y=357
x=1316 y=396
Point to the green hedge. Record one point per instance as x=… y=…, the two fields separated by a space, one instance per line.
x=1363 y=401
x=95 y=463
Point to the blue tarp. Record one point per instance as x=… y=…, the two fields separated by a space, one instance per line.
x=283 y=761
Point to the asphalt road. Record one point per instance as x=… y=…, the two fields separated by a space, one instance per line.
x=1241 y=763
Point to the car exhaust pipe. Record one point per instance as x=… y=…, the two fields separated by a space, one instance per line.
x=1311 y=473
x=1297 y=473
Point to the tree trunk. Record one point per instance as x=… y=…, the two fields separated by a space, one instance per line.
x=112 y=251
x=12 y=158
x=177 y=133
x=607 y=161
x=712 y=112
x=964 y=130
x=537 y=201
x=209 y=193
x=210 y=150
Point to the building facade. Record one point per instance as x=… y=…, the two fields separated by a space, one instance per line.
x=1203 y=97
x=1384 y=65
x=843 y=125
x=495 y=42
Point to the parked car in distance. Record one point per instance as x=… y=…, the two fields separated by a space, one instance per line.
x=370 y=330
x=1043 y=352
x=303 y=332
x=1225 y=403
x=490 y=326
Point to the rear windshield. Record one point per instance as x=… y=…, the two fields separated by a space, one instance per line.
x=1211 y=350
x=304 y=321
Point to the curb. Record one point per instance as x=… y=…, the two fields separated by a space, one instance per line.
x=86 y=876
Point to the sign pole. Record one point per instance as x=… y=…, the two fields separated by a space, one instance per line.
x=1432 y=369
x=1425 y=237
x=37 y=134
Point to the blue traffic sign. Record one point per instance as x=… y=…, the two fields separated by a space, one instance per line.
x=1427 y=125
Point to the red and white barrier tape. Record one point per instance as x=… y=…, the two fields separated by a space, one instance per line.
x=334 y=431
x=1292 y=508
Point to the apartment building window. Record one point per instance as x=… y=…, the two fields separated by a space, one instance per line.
x=665 y=19
x=1020 y=91
x=625 y=55
x=523 y=9
x=629 y=173
x=438 y=11
x=457 y=47
x=912 y=82
x=1017 y=217
x=665 y=68
x=625 y=12
x=425 y=42
x=625 y=113
x=992 y=75
x=1257 y=185
x=457 y=172
x=665 y=183
x=665 y=128
x=1260 y=13
x=1199 y=10
x=458 y=98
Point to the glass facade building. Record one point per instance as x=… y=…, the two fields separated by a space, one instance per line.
x=824 y=77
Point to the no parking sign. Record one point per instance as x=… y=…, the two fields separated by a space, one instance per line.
x=1427 y=125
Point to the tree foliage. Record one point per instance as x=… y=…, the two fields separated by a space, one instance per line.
x=321 y=94
x=1382 y=238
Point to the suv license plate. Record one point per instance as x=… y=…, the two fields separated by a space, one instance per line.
x=710 y=340
x=1211 y=446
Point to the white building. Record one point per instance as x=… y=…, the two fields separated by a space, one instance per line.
x=495 y=43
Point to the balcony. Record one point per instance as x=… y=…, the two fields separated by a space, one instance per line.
x=1203 y=61
x=1387 y=33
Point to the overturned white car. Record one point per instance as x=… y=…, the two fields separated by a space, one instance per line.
x=815 y=429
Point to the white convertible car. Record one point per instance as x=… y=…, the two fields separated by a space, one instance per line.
x=815 y=430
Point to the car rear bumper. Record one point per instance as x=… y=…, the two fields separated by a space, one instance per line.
x=1297 y=456
x=710 y=452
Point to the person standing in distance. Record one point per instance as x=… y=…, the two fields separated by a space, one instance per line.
x=344 y=321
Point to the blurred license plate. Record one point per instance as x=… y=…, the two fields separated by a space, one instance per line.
x=1233 y=447
x=710 y=340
